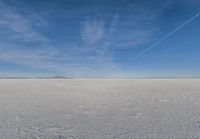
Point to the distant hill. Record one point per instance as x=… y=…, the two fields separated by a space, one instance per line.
x=57 y=77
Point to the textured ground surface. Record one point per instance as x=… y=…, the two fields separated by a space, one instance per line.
x=100 y=109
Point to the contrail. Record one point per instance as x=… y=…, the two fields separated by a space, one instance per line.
x=160 y=41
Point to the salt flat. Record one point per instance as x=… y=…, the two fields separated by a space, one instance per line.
x=100 y=109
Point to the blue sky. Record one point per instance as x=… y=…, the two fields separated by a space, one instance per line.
x=99 y=38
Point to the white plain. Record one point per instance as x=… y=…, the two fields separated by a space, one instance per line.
x=100 y=109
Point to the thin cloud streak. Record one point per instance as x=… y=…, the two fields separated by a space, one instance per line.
x=21 y=27
x=47 y=56
x=93 y=32
x=159 y=41
x=75 y=39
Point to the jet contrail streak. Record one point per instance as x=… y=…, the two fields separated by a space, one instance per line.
x=160 y=41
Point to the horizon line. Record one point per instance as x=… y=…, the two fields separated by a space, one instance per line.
x=64 y=77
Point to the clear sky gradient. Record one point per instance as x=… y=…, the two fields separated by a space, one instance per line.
x=99 y=38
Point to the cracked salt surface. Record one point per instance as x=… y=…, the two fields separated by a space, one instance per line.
x=100 y=109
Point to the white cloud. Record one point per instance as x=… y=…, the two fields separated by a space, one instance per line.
x=93 y=32
x=102 y=34
x=20 y=27
x=74 y=61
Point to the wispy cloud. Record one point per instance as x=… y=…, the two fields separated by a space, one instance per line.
x=91 y=51
x=161 y=40
x=20 y=27
x=99 y=37
x=93 y=32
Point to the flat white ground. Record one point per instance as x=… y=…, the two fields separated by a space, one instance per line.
x=100 y=109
